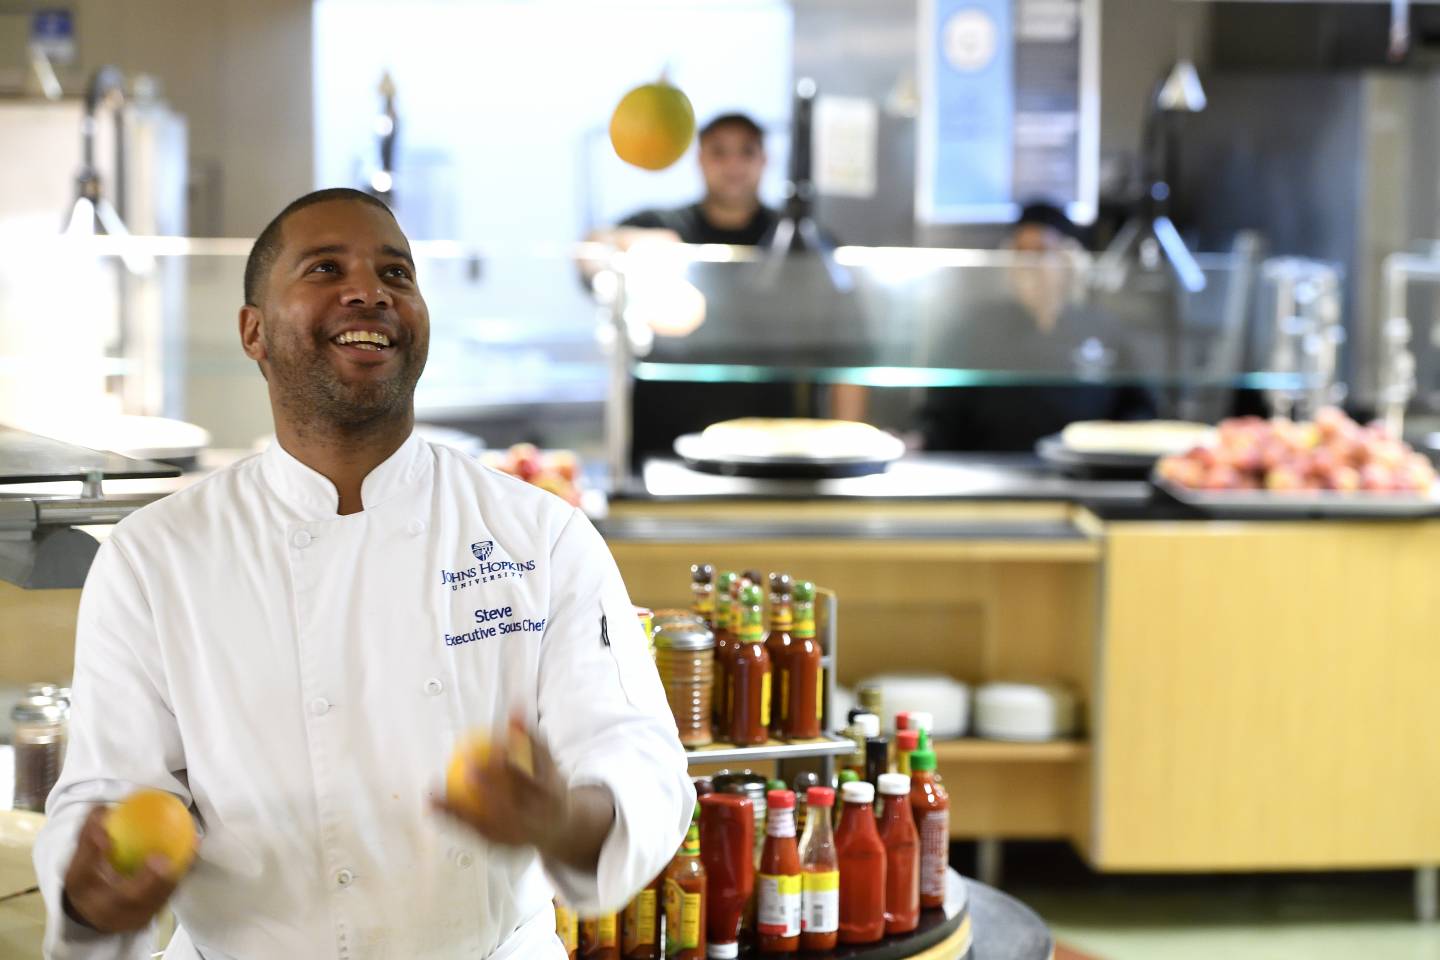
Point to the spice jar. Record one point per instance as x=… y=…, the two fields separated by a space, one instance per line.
x=39 y=749
x=685 y=657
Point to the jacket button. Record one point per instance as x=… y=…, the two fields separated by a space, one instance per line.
x=343 y=878
x=319 y=706
x=415 y=527
x=301 y=539
x=464 y=860
x=433 y=687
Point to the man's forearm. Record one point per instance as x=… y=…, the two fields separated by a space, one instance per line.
x=588 y=819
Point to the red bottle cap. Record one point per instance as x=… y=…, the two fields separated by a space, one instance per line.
x=902 y=720
x=820 y=797
x=780 y=800
x=908 y=741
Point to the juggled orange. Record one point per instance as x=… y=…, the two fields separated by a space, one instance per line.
x=652 y=126
x=473 y=750
x=147 y=823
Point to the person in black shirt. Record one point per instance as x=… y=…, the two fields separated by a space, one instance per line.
x=732 y=160
x=1036 y=333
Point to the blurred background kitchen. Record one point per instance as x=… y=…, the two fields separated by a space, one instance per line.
x=1025 y=213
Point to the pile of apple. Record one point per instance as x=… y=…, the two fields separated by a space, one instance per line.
x=1332 y=452
x=555 y=470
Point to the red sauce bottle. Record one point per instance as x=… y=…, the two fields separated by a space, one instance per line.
x=640 y=923
x=931 y=806
x=600 y=938
x=804 y=682
x=820 y=879
x=724 y=637
x=862 y=867
x=777 y=909
x=727 y=851
x=902 y=855
x=750 y=675
x=777 y=644
x=685 y=900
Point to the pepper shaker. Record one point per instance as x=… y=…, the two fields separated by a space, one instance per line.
x=39 y=749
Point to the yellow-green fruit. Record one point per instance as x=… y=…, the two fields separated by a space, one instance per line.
x=147 y=823
x=472 y=751
x=652 y=126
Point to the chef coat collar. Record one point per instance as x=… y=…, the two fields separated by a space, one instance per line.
x=312 y=495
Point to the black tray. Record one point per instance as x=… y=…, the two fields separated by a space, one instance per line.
x=1109 y=466
x=690 y=449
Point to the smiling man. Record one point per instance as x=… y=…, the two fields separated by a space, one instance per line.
x=286 y=647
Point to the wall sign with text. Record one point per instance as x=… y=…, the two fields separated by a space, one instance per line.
x=1009 y=108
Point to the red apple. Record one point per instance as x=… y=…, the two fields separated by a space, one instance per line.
x=1375 y=476
x=1345 y=478
x=1283 y=479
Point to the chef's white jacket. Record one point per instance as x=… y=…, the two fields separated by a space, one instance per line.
x=300 y=678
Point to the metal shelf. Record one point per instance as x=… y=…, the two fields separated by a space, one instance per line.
x=826 y=746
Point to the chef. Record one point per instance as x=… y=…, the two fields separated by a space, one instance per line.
x=294 y=645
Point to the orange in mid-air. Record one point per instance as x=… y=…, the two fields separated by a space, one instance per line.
x=147 y=823
x=652 y=126
x=473 y=750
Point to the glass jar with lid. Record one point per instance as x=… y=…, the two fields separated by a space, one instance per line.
x=685 y=657
x=39 y=749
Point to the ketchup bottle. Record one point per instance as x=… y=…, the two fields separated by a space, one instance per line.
x=777 y=910
x=902 y=856
x=727 y=851
x=931 y=806
x=862 y=867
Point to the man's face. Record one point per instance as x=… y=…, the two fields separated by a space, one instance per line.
x=731 y=161
x=344 y=272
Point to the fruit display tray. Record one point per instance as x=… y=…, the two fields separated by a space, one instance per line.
x=1240 y=504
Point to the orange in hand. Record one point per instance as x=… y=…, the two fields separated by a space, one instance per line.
x=149 y=823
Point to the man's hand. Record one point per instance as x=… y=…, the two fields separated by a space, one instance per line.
x=537 y=810
x=99 y=897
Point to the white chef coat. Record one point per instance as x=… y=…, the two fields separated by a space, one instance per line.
x=299 y=678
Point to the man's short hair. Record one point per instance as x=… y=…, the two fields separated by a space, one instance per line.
x=1043 y=213
x=740 y=120
x=267 y=246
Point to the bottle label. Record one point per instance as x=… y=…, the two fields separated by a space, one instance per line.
x=934 y=852
x=781 y=823
x=804 y=625
x=765 y=699
x=567 y=927
x=820 y=902
x=820 y=694
x=751 y=632
x=777 y=905
x=784 y=694
x=782 y=619
x=640 y=921
x=599 y=931
x=682 y=919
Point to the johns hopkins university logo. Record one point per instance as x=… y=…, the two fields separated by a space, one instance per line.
x=486 y=569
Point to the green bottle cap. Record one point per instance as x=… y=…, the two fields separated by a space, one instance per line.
x=776 y=785
x=752 y=596
x=848 y=776
x=804 y=592
x=923 y=757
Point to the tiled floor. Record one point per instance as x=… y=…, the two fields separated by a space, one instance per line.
x=1326 y=917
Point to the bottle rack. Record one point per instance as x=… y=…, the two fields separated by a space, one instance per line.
x=827 y=746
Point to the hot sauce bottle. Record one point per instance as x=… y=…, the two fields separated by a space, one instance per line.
x=931 y=807
x=685 y=899
x=640 y=924
x=782 y=619
x=750 y=675
x=727 y=849
x=820 y=875
x=702 y=592
x=567 y=928
x=599 y=938
x=724 y=638
x=805 y=680
x=862 y=867
x=902 y=856
x=777 y=911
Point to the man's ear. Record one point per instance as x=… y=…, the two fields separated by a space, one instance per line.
x=252 y=332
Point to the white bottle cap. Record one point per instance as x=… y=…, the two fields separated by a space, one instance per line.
x=722 y=951
x=858 y=791
x=894 y=784
x=867 y=724
x=922 y=720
